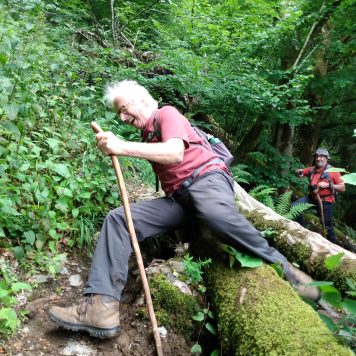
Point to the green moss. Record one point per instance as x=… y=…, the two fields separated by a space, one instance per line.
x=173 y=309
x=260 y=314
x=302 y=253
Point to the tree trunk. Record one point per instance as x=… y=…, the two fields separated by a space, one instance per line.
x=298 y=244
x=258 y=313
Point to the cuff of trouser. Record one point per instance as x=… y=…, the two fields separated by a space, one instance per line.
x=111 y=294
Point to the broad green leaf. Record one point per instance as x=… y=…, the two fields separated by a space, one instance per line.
x=110 y=115
x=196 y=348
x=198 y=317
x=11 y=111
x=2 y=232
x=39 y=244
x=53 y=233
x=328 y=322
x=19 y=252
x=333 y=298
x=248 y=261
x=331 y=262
x=351 y=283
x=24 y=167
x=3 y=293
x=61 y=169
x=30 y=237
x=20 y=286
x=349 y=178
x=3 y=58
x=211 y=328
x=216 y=352
x=320 y=284
x=11 y=127
x=335 y=169
x=54 y=144
x=349 y=305
x=75 y=213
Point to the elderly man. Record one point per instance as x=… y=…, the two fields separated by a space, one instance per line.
x=175 y=153
x=322 y=188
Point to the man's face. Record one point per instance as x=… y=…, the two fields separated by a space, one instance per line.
x=321 y=161
x=130 y=112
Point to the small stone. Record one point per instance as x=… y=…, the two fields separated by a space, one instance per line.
x=25 y=330
x=75 y=280
x=40 y=278
x=183 y=288
x=162 y=331
x=64 y=270
x=178 y=266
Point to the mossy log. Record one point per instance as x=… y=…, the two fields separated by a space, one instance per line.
x=309 y=249
x=258 y=313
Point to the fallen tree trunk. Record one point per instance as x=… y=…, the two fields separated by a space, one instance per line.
x=258 y=313
x=307 y=248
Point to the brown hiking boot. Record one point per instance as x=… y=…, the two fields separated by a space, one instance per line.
x=93 y=315
x=299 y=279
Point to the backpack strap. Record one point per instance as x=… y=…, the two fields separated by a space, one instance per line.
x=156 y=131
x=323 y=175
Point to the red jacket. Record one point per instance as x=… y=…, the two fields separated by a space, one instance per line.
x=325 y=194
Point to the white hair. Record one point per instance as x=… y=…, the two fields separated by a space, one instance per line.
x=130 y=90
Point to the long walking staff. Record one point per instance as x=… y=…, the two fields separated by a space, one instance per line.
x=321 y=207
x=146 y=288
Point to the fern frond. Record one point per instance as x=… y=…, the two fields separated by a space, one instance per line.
x=268 y=201
x=240 y=174
x=298 y=209
x=261 y=190
x=283 y=203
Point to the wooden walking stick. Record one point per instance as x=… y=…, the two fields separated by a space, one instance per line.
x=135 y=245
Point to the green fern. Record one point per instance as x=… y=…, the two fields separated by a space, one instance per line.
x=263 y=193
x=283 y=204
x=297 y=209
x=240 y=174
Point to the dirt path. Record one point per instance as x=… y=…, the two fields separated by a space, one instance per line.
x=39 y=336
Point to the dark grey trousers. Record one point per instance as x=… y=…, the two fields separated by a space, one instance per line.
x=210 y=197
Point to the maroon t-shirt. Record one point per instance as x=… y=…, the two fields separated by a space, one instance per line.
x=172 y=124
x=325 y=194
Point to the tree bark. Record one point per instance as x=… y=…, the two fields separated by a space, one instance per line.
x=307 y=248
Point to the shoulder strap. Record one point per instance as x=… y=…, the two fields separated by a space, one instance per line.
x=156 y=131
x=311 y=174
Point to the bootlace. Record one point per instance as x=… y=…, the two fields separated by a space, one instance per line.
x=83 y=306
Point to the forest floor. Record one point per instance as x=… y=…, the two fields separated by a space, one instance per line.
x=39 y=336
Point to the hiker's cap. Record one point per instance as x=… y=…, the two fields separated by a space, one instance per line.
x=322 y=152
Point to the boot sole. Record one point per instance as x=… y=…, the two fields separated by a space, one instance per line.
x=101 y=333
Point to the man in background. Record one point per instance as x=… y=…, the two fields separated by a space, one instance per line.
x=323 y=186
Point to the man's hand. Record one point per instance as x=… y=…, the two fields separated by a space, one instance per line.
x=109 y=143
x=323 y=185
x=299 y=173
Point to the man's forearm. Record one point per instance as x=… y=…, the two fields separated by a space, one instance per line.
x=168 y=152
x=339 y=188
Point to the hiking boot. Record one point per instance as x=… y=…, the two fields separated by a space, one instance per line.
x=93 y=315
x=299 y=279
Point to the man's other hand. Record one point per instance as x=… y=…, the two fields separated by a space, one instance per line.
x=298 y=173
x=323 y=185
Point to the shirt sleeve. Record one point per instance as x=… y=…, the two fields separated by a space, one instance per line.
x=336 y=178
x=306 y=171
x=173 y=124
